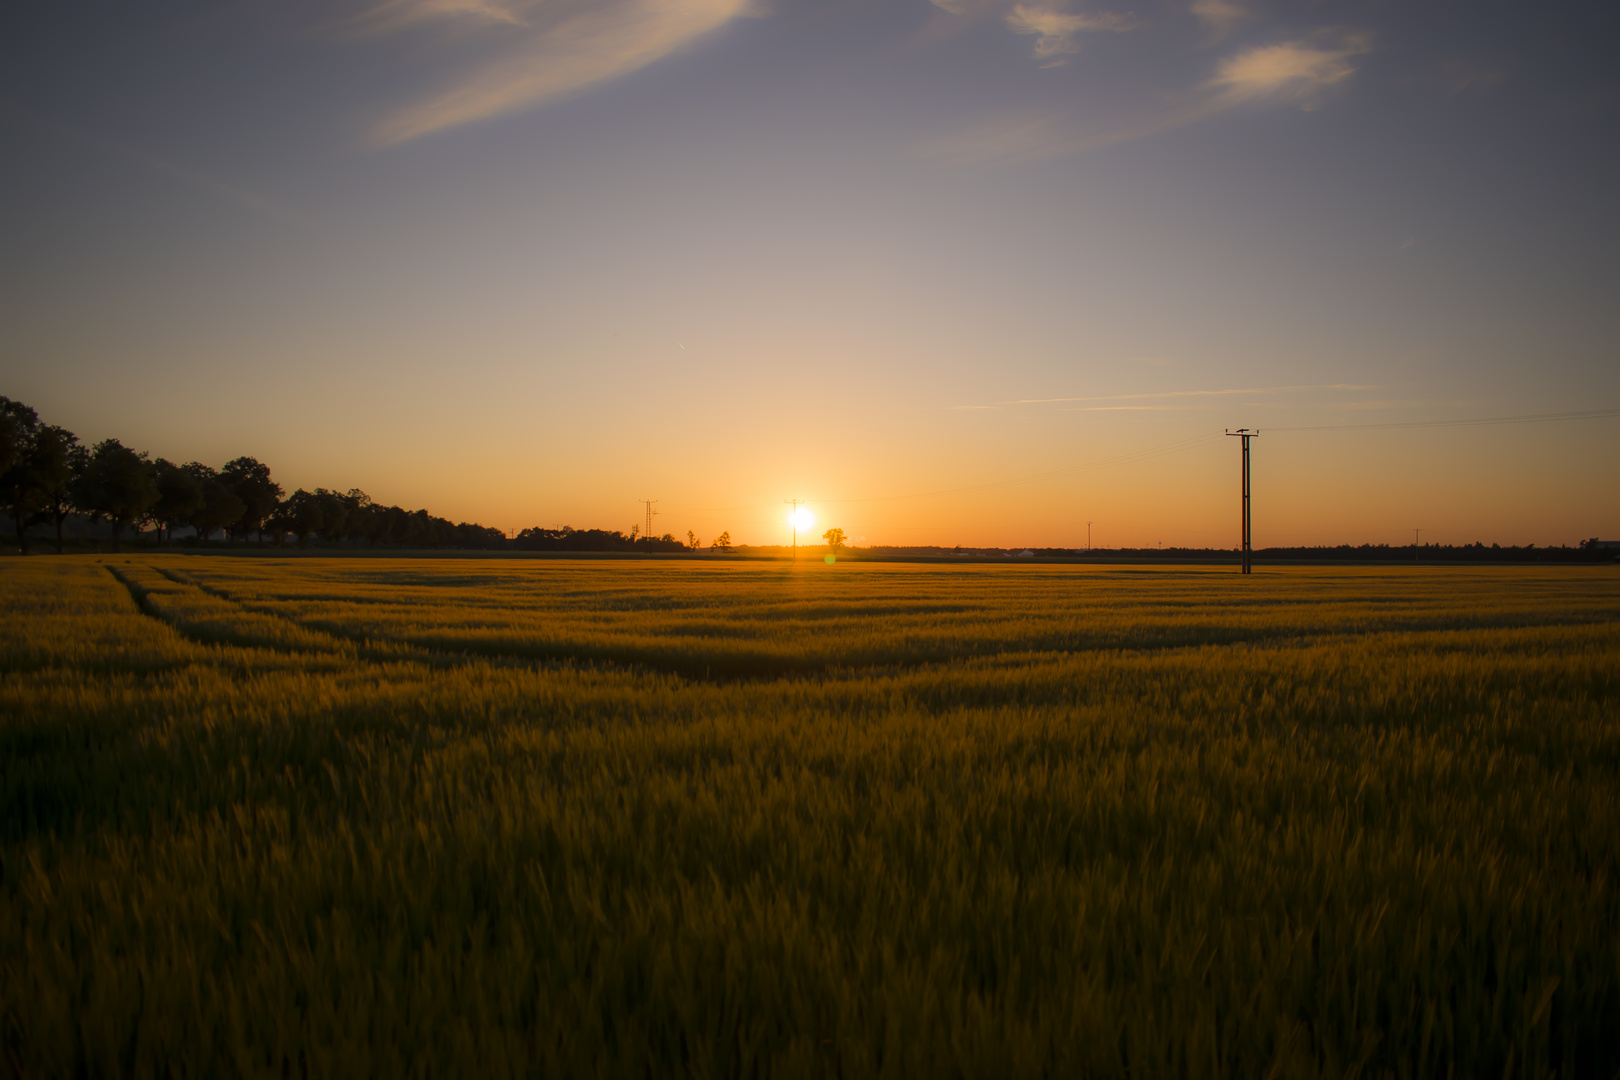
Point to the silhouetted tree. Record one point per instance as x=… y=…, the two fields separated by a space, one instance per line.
x=692 y=540
x=219 y=508
x=9 y=435
x=303 y=513
x=116 y=484
x=723 y=541
x=180 y=496
x=357 y=513
x=834 y=538
x=249 y=480
x=367 y=523
x=19 y=491
x=57 y=459
x=334 y=509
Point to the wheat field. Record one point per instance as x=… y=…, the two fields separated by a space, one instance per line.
x=391 y=817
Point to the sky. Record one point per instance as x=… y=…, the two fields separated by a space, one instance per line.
x=973 y=272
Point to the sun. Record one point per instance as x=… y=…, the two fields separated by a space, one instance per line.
x=801 y=518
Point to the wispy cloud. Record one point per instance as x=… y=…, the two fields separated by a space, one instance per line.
x=1057 y=33
x=1296 y=72
x=1056 y=28
x=1012 y=137
x=539 y=50
x=1292 y=71
x=1121 y=408
x=1459 y=77
x=1163 y=395
x=1219 y=16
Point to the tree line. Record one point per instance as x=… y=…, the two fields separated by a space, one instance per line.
x=48 y=475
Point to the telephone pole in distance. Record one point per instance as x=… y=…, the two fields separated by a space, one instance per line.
x=794 y=518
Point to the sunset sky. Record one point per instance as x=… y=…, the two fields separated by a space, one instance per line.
x=955 y=272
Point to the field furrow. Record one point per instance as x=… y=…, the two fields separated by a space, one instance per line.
x=1312 y=823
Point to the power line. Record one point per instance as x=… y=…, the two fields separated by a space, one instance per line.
x=1523 y=418
x=1189 y=443
x=1130 y=458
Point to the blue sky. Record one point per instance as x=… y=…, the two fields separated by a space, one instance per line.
x=528 y=261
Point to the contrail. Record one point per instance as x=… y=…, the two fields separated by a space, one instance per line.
x=198 y=181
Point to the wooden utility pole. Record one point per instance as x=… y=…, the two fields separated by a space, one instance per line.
x=794 y=518
x=1245 y=434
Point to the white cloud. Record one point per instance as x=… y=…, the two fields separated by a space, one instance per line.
x=541 y=50
x=1058 y=32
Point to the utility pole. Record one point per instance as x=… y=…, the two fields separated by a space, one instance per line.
x=1245 y=434
x=794 y=518
x=651 y=513
x=1088 y=536
x=1415 y=534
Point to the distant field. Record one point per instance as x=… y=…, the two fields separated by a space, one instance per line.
x=314 y=817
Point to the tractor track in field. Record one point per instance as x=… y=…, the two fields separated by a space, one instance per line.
x=396 y=651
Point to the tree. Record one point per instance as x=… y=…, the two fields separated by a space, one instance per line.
x=180 y=496
x=249 y=480
x=835 y=539
x=357 y=514
x=301 y=514
x=19 y=427
x=334 y=509
x=219 y=508
x=8 y=436
x=692 y=541
x=58 y=460
x=723 y=541
x=367 y=523
x=117 y=484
